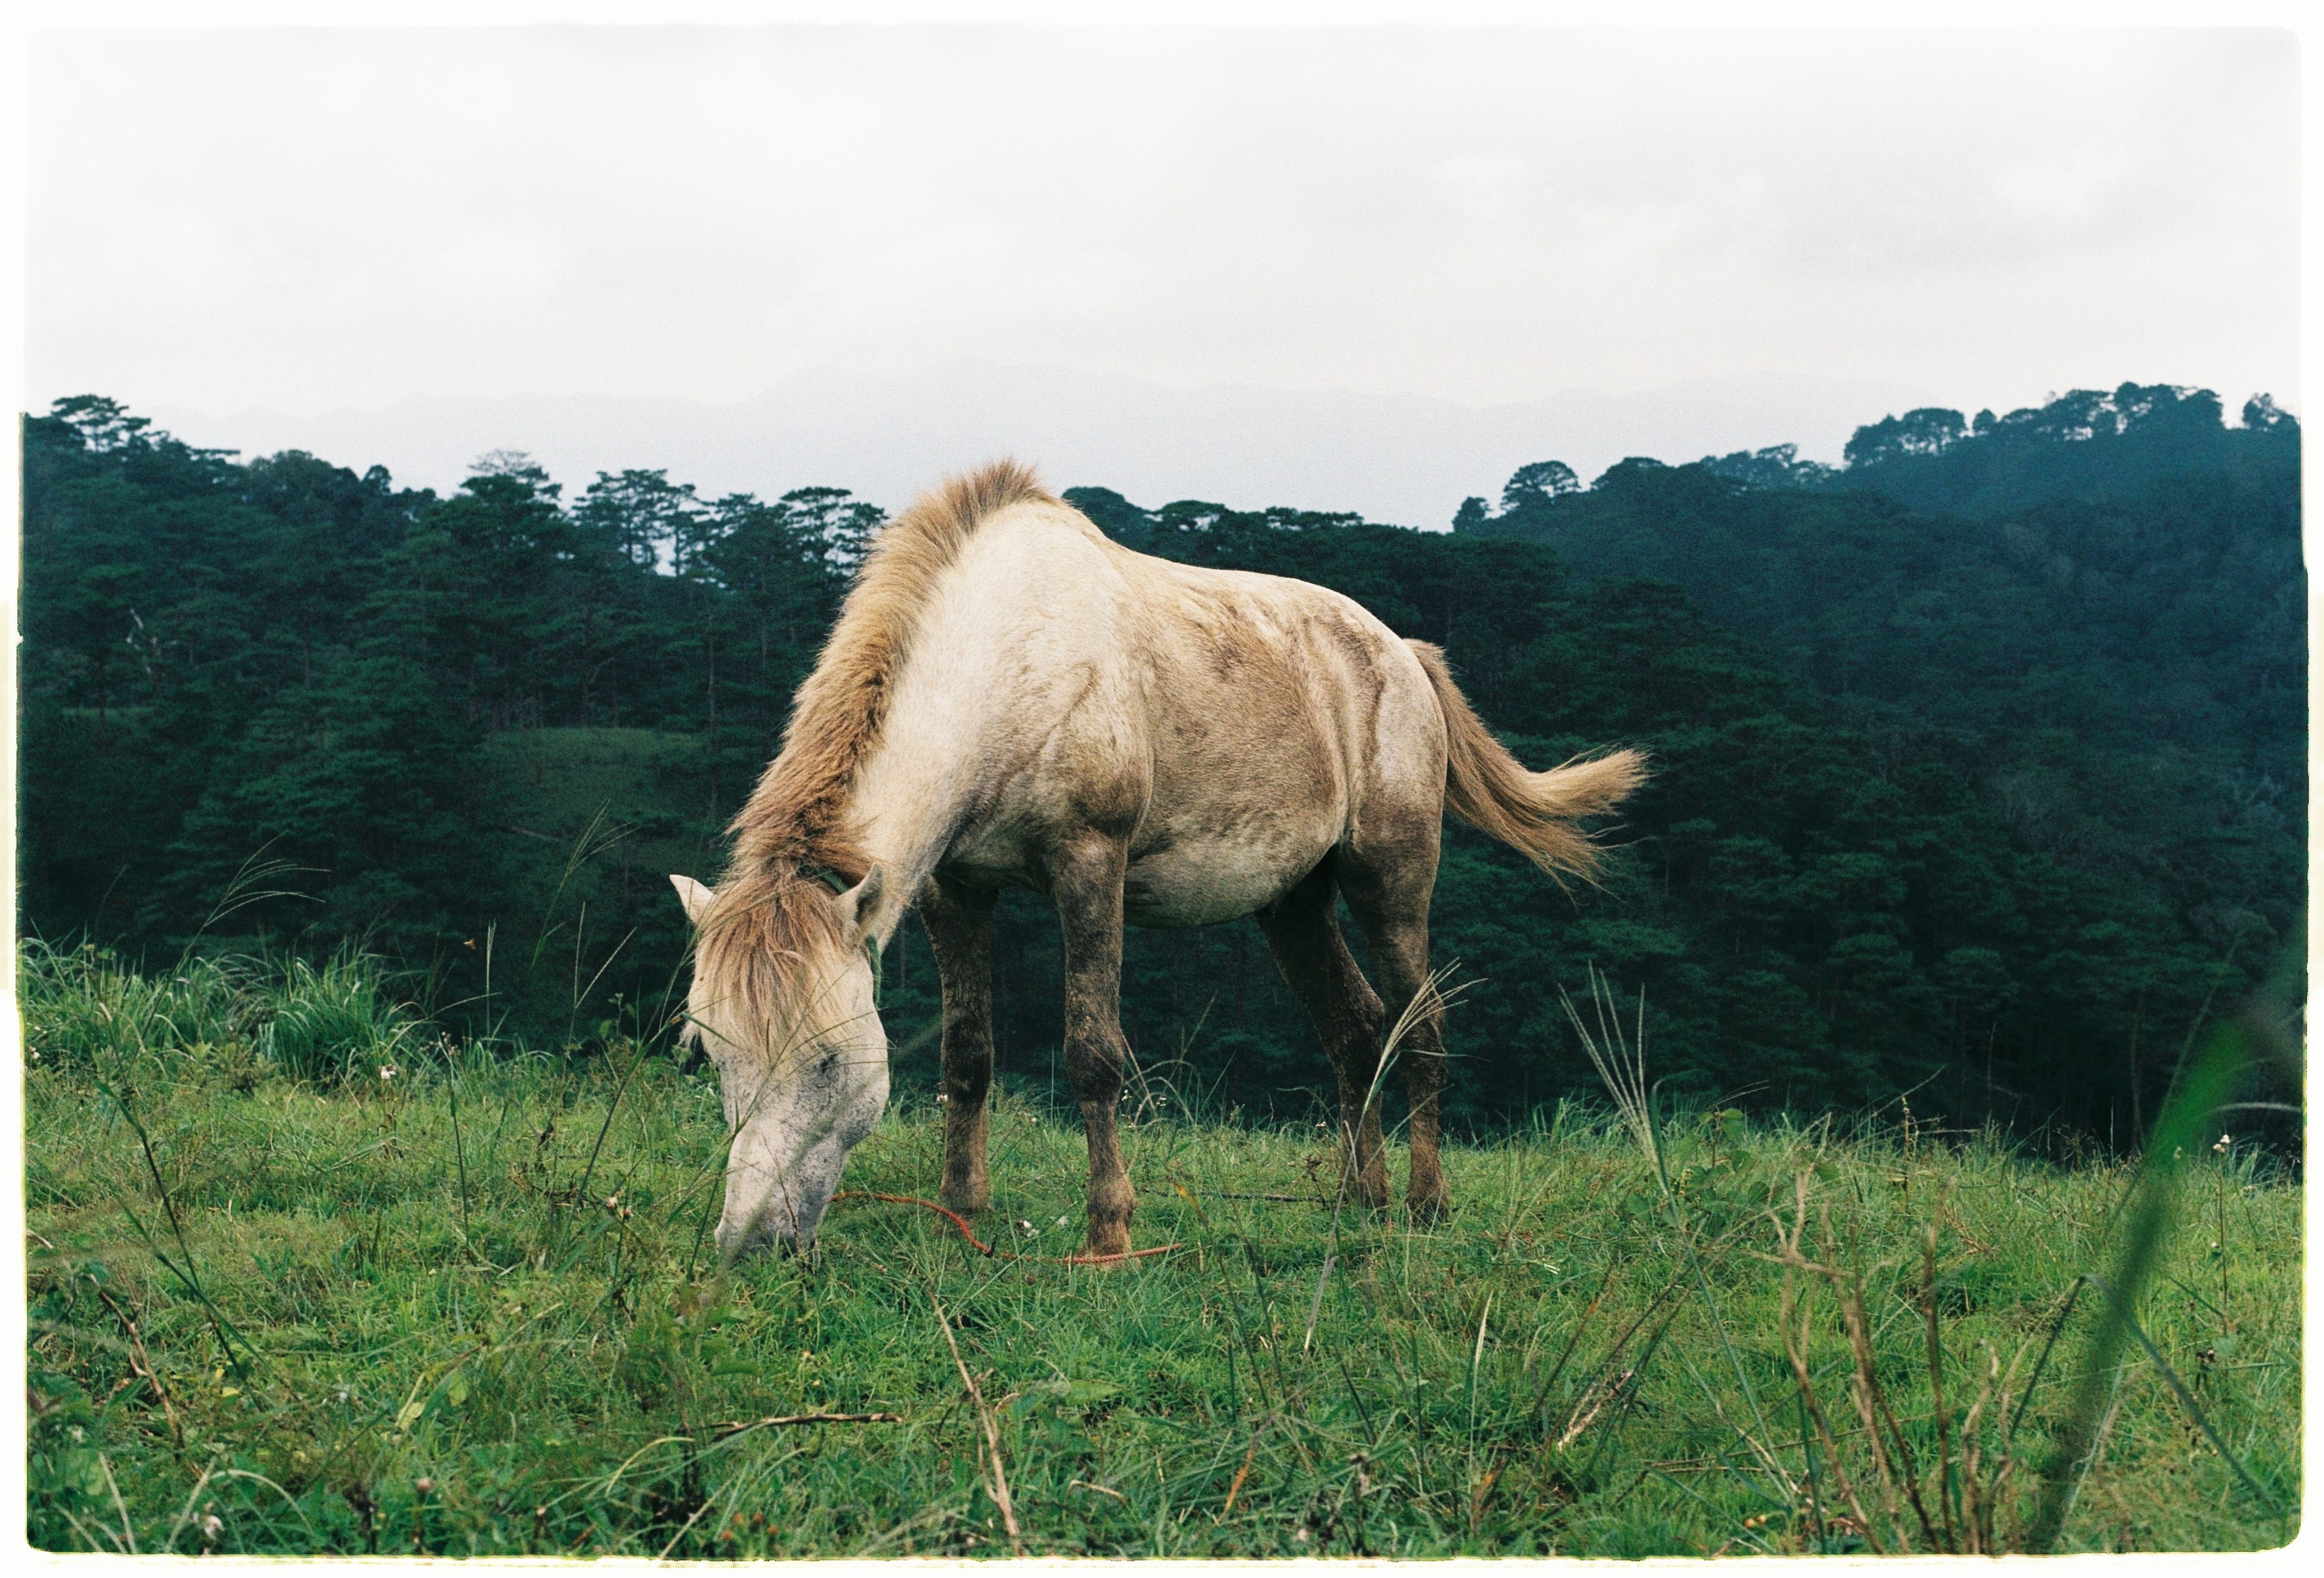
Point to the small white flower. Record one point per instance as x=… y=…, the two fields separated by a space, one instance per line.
x=213 y=1525
x=943 y=1100
x=386 y=1071
x=1062 y=1221
x=1027 y=1227
x=2221 y=1147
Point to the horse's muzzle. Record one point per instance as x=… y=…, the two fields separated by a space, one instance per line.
x=774 y=1229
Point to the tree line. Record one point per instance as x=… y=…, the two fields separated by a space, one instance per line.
x=1980 y=761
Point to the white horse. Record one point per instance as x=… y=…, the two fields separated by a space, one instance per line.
x=1010 y=699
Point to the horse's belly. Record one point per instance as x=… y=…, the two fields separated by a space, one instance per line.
x=1213 y=879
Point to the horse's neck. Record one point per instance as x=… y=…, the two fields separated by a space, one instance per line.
x=912 y=798
x=966 y=687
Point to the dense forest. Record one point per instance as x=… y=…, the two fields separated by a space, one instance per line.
x=1980 y=759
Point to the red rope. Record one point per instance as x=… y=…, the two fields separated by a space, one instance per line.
x=985 y=1248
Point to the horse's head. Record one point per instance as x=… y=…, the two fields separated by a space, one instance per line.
x=783 y=1002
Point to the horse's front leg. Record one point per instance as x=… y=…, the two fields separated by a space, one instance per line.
x=1086 y=881
x=959 y=922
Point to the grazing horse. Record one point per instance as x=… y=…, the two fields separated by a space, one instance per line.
x=1010 y=699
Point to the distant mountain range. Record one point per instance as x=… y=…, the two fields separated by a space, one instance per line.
x=1400 y=458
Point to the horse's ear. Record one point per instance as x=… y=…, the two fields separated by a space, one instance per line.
x=860 y=902
x=692 y=895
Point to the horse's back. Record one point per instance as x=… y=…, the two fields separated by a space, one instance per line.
x=1284 y=720
x=1231 y=728
x=1302 y=715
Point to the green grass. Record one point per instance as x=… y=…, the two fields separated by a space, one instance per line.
x=474 y=1308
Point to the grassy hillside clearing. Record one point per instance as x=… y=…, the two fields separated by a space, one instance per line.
x=305 y=1280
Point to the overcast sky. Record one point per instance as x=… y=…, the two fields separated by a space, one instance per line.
x=232 y=223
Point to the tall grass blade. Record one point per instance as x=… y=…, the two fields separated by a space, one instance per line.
x=2207 y=1085
x=1621 y=1065
x=2194 y=1409
x=1430 y=998
x=239 y=1350
x=1620 y=1061
x=247 y=887
x=594 y=840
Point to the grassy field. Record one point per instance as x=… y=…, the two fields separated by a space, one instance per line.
x=305 y=1280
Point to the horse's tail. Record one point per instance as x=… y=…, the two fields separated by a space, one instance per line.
x=1531 y=812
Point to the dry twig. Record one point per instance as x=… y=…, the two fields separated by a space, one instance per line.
x=736 y=1426
x=997 y=1481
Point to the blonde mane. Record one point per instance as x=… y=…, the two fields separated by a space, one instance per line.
x=772 y=912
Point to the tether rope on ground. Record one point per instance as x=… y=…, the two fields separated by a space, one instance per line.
x=960 y=1221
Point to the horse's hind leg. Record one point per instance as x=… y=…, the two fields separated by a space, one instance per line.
x=959 y=922
x=1303 y=928
x=1086 y=879
x=1389 y=895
